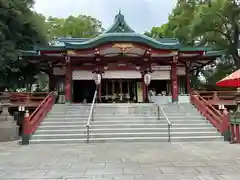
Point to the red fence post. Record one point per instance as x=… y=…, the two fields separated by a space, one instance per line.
x=232 y=133
x=215 y=96
x=237 y=133
x=26 y=126
x=225 y=125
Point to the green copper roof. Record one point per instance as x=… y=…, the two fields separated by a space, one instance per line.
x=52 y=48
x=120 y=31
x=187 y=48
x=29 y=53
x=120 y=25
x=123 y=37
x=213 y=53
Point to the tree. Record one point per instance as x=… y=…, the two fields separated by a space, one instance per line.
x=18 y=30
x=80 y=26
x=213 y=23
x=217 y=23
x=178 y=22
x=158 y=32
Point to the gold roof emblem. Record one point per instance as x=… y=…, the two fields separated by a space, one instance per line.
x=123 y=46
x=71 y=52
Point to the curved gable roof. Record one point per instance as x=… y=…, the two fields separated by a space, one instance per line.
x=123 y=37
x=120 y=31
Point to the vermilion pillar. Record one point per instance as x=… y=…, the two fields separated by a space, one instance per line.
x=174 y=82
x=143 y=88
x=100 y=92
x=51 y=82
x=188 y=83
x=68 y=85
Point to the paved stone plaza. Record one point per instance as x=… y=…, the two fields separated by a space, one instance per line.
x=121 y=161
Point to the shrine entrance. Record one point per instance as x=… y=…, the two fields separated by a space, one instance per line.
x=83 y=91
x=119 y=90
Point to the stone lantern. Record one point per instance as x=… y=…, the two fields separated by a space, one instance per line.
x=8 y=127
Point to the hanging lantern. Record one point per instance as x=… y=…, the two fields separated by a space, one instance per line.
x=98 y=79
x=147 y=79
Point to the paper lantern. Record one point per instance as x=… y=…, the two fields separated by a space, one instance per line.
x=147 y=79
x=98 y=79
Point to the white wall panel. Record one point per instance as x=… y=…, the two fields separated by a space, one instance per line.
x=82 y=75
x=122 y=74
x=181 y=71
x=59 y=71
x=160 y=75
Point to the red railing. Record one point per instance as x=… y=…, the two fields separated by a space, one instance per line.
x=235 y=132
x=27 y=96
x=214 y=116
x=219 y=97
x=32 y=122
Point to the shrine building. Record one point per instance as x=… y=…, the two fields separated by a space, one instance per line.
x=121 y=58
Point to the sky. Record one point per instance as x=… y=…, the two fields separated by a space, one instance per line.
x=141 y=15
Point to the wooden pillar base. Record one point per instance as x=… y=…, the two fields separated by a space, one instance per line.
x=25 y=139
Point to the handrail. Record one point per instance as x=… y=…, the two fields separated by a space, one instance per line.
x=164 y=115
x=169 y=123
x=90 y=117
x=219 y=120
x=32 y=122
x=217 y=95
x=26 y=96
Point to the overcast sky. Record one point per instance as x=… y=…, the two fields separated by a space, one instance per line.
x=141 y=15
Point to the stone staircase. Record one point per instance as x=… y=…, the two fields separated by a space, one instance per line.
x=188 y=124
x=123 y=122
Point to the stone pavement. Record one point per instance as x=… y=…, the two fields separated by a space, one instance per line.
x=121 y=161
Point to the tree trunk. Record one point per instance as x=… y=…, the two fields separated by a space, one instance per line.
x=235 y=43
x=236 y=58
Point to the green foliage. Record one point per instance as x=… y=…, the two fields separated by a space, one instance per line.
x=158 y=32
x=22 y=29
x=80 y=26
x=18 y=30
x=206 y=22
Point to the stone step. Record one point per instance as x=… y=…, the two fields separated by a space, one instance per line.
x=62 y=114
x=104 y=110
x=108 y=106
x=121 y=123
x=124 y=119
x=120 y=134
x=109 y=113
x=68 y=118
x=127 y=139
x=56 y=127
x=182 y=113
x=126 y=130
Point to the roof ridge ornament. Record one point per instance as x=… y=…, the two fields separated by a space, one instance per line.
x=120 y=25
